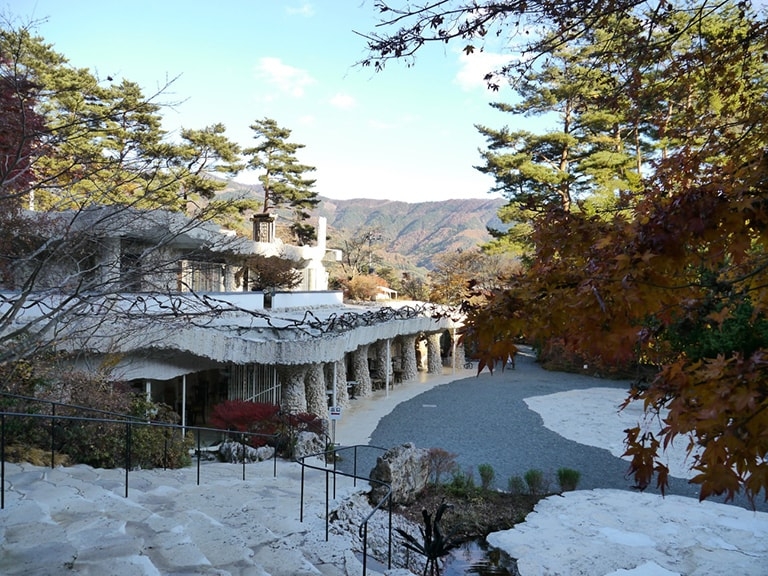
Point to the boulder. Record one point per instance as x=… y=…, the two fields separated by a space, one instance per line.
x=233 y=452
x=308 y=443
x=405 y=468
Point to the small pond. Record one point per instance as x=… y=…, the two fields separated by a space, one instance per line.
x=477 y=557
x=472 y=557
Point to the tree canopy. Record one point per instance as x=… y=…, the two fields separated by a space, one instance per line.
x=657 y=254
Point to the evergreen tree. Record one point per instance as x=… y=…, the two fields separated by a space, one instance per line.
x=90 y=159
x=582 y=163
x=283 y=177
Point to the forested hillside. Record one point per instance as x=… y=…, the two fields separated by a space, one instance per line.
x=417 y=231
x=407 y=235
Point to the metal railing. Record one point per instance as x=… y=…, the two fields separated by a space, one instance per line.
x=130 y=423
x=333 y=454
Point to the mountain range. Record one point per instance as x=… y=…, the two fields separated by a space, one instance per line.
x=408 y=235
x=412 y=233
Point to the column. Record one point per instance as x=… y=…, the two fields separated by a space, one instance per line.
x=317 y=401
x=421 y=353
x=410 y=369
x=294 y=398
x=360 y=371
x=459 y=355
x=382 y=360
x=342 y=396
x=434 y=358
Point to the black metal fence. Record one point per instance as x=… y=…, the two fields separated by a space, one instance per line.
x=130 y=423
x=334 y=454
x=55 y=413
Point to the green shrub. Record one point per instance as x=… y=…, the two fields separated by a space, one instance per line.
x=534 y=479
x=98 y=444
x=516 y=485
x=462 y=484
x=568 y=478
x=487 y=476
x=155 y=446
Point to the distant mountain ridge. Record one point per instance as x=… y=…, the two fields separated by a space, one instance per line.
x=416 y=231
x=412 y=233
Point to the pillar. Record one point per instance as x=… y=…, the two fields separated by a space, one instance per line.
x=434 y=357
x=382 y=359
x=459 y=354
x=410 y=369
x=360 y=370
x=421 y=353
x=342 y=396
x=294 y=398
x=317 y=400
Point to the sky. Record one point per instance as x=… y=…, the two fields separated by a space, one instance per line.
x=407 y=133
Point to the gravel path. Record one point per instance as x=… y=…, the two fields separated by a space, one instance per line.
x=484 y=420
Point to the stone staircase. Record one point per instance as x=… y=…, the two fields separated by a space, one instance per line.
x=77 y=520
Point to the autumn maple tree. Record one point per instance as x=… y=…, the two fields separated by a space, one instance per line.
x=669 y=268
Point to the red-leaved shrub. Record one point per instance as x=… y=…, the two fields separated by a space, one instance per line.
x=267 y=420
x=243 y=416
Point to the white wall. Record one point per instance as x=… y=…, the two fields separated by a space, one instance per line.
x=307 y=299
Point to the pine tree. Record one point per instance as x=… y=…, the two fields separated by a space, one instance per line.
x=283 y=177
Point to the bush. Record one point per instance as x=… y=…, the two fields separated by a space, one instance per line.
x=462 y=484
x=516 y=485
x=242 y=416
x=158 y=446
x=440 y=462
x=266 y=420
x=364 y=287
x=535 y=481
x=568 y=478
x=487 y=476
x=98 y=444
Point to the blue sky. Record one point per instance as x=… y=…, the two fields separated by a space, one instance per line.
x=403 y=134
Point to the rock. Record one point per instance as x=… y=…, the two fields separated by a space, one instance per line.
x=405 y=468
x=233 y=452
x=308 y=443
x=348 y=517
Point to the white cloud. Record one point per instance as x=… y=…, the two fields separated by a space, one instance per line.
x=475 y=66
x=287 y=79
x=307 y=120
x=343 y=101
x=306 y=10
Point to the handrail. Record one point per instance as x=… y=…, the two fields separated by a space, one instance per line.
x=55 y=403
x=129 y=424
x=363 y=529
x=131 y=421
